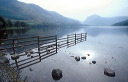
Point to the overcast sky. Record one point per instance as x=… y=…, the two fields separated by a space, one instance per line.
x=80 y=9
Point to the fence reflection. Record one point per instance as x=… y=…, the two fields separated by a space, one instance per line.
x=31 y=50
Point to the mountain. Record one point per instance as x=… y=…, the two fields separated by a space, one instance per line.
x=96 y=20
x=123 y=23
x=15 y=10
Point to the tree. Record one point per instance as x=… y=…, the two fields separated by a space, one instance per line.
x=2 y=23
x=10 y=24
x=3 y=31
x=17 y=24
x=23 y=24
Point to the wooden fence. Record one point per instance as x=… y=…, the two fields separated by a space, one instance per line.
x=36 y=48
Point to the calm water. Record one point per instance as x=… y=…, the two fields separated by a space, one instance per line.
x=106 y=45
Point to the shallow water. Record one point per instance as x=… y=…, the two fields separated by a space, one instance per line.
x=106 y=45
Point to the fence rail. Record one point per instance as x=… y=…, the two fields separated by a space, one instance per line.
x=36 y=48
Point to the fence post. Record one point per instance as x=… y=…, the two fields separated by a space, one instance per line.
x=67 y=41
x=75 y=39
x=56 y=43
x=16 y=63
x=81 y=37
x=85 y=36
x=39 y=47
x=14 y=51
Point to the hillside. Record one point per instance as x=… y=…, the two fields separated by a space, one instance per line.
x=96 y=20
x=123 y=23
x=13 y=9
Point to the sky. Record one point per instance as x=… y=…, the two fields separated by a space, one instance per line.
x=81 y=9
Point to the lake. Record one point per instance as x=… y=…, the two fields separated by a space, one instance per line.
x=107 y=45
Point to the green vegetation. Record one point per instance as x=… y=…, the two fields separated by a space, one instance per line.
x=4 y=24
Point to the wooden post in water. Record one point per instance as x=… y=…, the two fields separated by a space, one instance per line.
x=81 y=37
x=67 y=41
x=16 y=63
x=14 y=53
x=39 y=47
x=75 y=39
x=56 y=43
x=85 y=36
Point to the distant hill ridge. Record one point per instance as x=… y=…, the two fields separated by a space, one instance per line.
x=13 y=9
x=123 y=23
x=96 y=20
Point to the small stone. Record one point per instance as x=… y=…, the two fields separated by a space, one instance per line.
x=57 y=74
x=31 y=51
x=109 y=72
x=14 y=57
x=84 y=57
x=32 y=56
x=77 y=58
x=6 y=53
x=30 y=69
x=28 y=55
x=88 y=54
x=4 y=60
x=48 y=51
x=11 y=53
x=94 y=62
x=72 y=56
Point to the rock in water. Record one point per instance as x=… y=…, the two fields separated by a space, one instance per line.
x=77 y=58
x=109 y=72
x=94 y=62
x=88 y=54
x=30 y=69
x=84 y=57
x=57 y=74
x=14 y=57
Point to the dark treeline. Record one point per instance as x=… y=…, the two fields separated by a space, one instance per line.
x=9 y=27
x=3 y=31
x=9 y=24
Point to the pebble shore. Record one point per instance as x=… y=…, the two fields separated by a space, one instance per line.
x=8 y=74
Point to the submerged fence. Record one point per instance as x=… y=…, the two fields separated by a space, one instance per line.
x=36 y=48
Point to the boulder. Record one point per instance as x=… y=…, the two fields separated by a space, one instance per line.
x=14 y=57
x=94 y=62
x=84 y=57
x=77 y=58
x=4 y=60
x=109 y=72
x=57 y=74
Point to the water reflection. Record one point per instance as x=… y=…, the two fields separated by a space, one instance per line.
x=98 y=50
x=6 y=33
x=61 y=31
x=96 y=31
